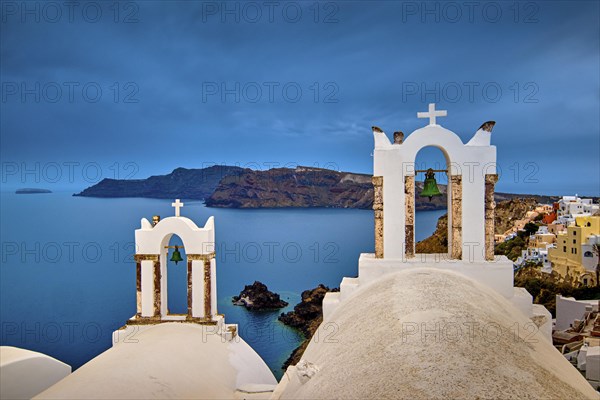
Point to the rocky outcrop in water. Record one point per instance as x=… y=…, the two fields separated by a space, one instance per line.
x=306 y=317
x=258 y=297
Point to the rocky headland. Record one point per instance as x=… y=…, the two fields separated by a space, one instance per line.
x=306 y=317
x=197 y=184
x=258 y=297
x=299 y=187
x=234 y=187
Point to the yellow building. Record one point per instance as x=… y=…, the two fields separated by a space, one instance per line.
x=573 y=258
x=541 y=240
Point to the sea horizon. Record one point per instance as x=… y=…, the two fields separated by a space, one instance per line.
x=68 y=276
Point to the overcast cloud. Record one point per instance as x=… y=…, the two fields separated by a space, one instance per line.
x=193 y=83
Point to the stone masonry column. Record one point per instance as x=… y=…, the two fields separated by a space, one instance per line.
x=157 y=277
x=409 y=226
x=490 y=210
x=207 y=290
x=138 y=287
x=189 y=287
x=139 y=259
x=378 y=208
x=199 y=273
x=456 y=189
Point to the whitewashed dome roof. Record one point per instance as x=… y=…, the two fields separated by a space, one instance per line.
x=369 y=358
x=168 y=361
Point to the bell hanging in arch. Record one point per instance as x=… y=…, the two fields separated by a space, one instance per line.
x=176 y=255
x=430 y=187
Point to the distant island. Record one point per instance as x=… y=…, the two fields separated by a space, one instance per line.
x=182 y=183
x=32 y=191
x=234 y=187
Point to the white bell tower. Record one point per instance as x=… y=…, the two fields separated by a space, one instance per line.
x=151 y=242
x=471 y=170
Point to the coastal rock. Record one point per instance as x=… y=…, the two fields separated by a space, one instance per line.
x=306 y=317
x=258 y=297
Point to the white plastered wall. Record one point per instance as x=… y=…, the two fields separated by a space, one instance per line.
x=151 y=240
x=396 y=161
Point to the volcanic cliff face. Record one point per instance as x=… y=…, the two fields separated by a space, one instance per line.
x=299 y=187
x=305 y=187
x=438 y=241
x=181 y=183
x=235 y=187
x=507 y=212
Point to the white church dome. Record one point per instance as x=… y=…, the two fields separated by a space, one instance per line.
x=430 y=334
x=169 y=361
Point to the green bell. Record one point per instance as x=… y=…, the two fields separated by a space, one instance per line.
x=176 y=255
x=430 y=187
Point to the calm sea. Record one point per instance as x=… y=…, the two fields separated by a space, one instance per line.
x=67 y=276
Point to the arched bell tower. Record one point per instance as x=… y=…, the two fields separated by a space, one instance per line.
x=471 y=180
x=151 y=242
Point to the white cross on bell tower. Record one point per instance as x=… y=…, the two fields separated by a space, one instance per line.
x=177 y=205
x=432 y=114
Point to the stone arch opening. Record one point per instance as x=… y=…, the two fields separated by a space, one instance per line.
x=436 y=158
x=471 y=178
x=450 y=145
x=153 y=267
x=454 y=197
x=173 y=277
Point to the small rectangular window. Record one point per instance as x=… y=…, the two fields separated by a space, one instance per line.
x=564 y=249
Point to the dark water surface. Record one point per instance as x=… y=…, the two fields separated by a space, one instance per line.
x=67 y=276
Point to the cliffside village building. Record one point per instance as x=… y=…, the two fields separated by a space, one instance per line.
x=576 y=334
x=566 y=244
x=573 y=256
x=570 y=207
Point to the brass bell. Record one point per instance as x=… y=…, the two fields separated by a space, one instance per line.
x=176 y=255
x=430 y=187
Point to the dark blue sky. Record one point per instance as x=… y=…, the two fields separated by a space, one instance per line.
x=139 y=88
